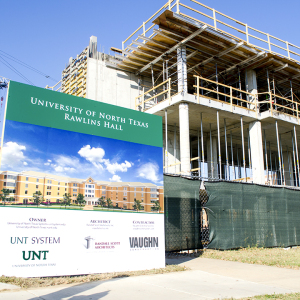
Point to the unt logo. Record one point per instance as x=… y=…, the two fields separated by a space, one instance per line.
x=32 y=255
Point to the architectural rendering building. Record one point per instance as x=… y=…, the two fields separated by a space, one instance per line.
x=23 y=185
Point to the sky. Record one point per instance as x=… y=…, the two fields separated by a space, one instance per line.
x=29 y=147
x=45 y=34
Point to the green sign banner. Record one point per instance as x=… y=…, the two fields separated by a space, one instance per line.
x=33 y=105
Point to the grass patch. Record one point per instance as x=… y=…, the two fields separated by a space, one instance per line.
x=277 y=257
x=27 y=283
x=293 y=296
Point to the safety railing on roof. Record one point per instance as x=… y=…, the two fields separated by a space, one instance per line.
x=221 y=23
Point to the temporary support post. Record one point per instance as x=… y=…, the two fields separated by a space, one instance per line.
x=274 y=92
x=292 y=96
x=249 y=151
x=275 y=165
x=175 y=147
x=199 y=161
x=232 y=160
x=271 y=164
x=243 y=145
x=217 y=80
x=266 y=155
x=282 y=161
x=219 y=146
x=297 y=156
x=166 y=147
x=278 y=148
x=226 y=152
x=240 y=83
x=238 y=162
x=294 y=159
x=289 y=163
x=211 y=153
x=164 y=77
x=202 y=147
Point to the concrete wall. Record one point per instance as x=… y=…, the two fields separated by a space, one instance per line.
x=110 y=85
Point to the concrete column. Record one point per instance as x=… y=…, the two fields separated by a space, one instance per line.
x=182 y=69
x=288 y=168
x=212 y=162
x=184 y=133
x=256 y=148
x=251 y=85
x=93 y=47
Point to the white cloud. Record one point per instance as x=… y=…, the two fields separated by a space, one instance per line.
x=66 y=161
x=25 y=163
x=116 y=178
x=61 y=169
x=115 y=167
x=93 y=155
x=13 y=154
x=49 y=161
x=96 y=157
x=149 y=171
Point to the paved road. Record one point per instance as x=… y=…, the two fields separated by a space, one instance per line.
x=207 y=279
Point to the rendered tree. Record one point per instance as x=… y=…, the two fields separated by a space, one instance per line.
x=67 y=199
x=137 y=205
x=11 y=199
x=101 y=201
x=156 y=206
x=109 y=203
x=3 y=195
x=80 y=199
x=37 y=198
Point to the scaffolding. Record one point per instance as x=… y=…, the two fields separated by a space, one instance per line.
x=218 y=51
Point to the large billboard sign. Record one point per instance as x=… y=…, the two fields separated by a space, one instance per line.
x=48 y=242
x=56 y=144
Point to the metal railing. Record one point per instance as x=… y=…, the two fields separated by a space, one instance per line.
x=213 y=90
x=216 y=21
x=221 y=92
x=151 y=97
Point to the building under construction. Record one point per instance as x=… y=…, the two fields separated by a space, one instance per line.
x=228 y=93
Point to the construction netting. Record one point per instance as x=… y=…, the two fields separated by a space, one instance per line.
x=182 y=211
x=242 y=215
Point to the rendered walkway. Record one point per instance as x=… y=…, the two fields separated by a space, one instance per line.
x=207 y=279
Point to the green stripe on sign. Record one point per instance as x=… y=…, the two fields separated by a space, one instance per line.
x=33 y=105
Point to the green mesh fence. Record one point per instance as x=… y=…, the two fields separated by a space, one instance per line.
x=242 y=215
x=182 y=211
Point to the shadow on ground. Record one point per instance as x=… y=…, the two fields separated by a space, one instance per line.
x=173 y=258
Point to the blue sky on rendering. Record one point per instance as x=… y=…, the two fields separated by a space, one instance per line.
x=45 y=34
x=60 y=152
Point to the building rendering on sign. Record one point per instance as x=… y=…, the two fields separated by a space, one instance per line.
x=122 y=194
x=228 y=92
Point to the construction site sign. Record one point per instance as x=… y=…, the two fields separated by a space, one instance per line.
x=60 y=154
